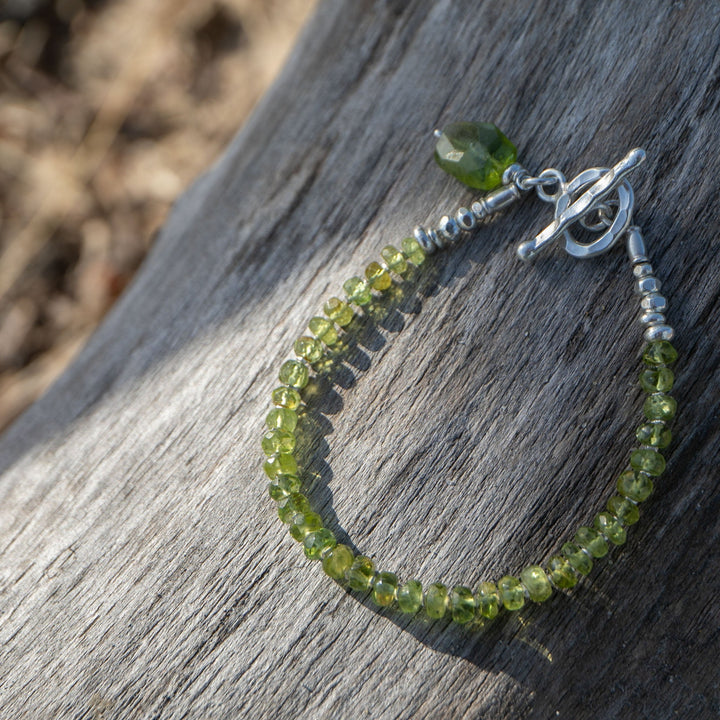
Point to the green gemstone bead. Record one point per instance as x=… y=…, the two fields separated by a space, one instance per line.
x=283 y=487
x=384 y=588
x=303 y=524
x=337 y=562
x=361 y=573
x=294 y=373
x=296 y=504
x=278 y=441
x=592 y=541
x=436 y=600
x=282 y=419
x=412 y=251
x=477 y=154
x=394 y=259
x=308 y=348
x=648 y=461
x=378 y=277
x=654 y=434
x=660 y=353
x=624 y=509
x=511 y=592
x=634 y=485
x=357 y=291
x=561 y=573
x=316 y=544
x=410 y=597
x=610 y=527
x=487 y=600
x=462 y=605
x=660 y=407
x=323 y=329
x=578 y=558
x=284 y=463
x=286 y=397
x=536 y=582
x=338 y=311
x=657 y=379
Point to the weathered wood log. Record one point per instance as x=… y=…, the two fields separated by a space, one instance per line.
x=142 y=570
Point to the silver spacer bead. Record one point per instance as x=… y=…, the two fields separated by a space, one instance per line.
x=426 y=242
x=659 y=332
x=465 y=219
x=654 y=302
x=643 y=270
x=636 y=245
x=652 y=318
x=648 y=285
x=480 y=209
x=449 y=228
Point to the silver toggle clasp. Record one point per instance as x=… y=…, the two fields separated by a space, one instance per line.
x=577 y=200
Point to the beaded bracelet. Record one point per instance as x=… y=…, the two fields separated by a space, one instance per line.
x=480 y=156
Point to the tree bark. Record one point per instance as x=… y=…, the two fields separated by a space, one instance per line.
x=143 y=572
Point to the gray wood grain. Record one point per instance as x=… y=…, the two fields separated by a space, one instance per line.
x=142 y=570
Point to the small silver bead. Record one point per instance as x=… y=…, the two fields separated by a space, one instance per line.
x=643 y=270
x=479 y=209
x=659 y=332
x=652 y=318
x=636 y=245
x=648 y=285
x=449 y=228
x=436 y=239
x=425 y=242
x=465 y=219
x=654 y=302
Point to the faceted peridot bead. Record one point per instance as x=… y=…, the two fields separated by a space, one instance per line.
x=308 y=348
x=477 y=154
x=338 y=311
x=624 y=509
x=561 y=572
x=592 y=541
x=317 y=543
x=487 y=600
x=660 y=353
x=634 y=485
x=378 y=277
x=281 y=419
x=337 y=562
x=654 y=434
x=286 y=397
x=536 y=582
x=284 y=463
x=436 y=600
x=323 y=330
x=512 y=593
x=297 y=503
x=304 y=523
x=659 y=407
x=361 y=573
x=357 y=291
x=283 y=487
x=462 y=605
x=657 y=379
x=610 y=527
x=294 y=373
x=410 y=597
x=412 y=251
x=577 y=557
x=278 y=441
x=648 y=461
x=394 y=259
x=384 y=588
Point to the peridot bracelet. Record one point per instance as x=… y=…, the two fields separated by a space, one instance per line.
x=480 y=156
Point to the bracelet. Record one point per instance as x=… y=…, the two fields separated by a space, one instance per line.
x=482 y=157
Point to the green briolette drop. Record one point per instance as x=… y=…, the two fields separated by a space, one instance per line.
x=511 y=592
x=536 y=582
x=436 y=601
x=462 y=605
x=592 y=541
x=660 y=407
x=317 y=543
x=654 y=434
x=308 y=348
x=394 y=259
x=303 y=524
x=282 y=419
x=636 y=486
x=647 y=461
x=561 y=573
x=278 y=441
x=378 y=277
x=410 y=597
x=338 y=311
x=476 y=154
x=657 y=379
x=324 y=330
x=660 y=353
x=611 y=527
x=357 y=291
x=286 y=397
x=384 y=588
x=487 y=600
x=294 y=373
x=337 y=562
x=295 y=504
x=361 y=573
x=578 y=558
x=624 y=509
x=412 y=251
x=284 y=463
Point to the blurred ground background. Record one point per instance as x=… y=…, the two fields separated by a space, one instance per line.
x=108 y=109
